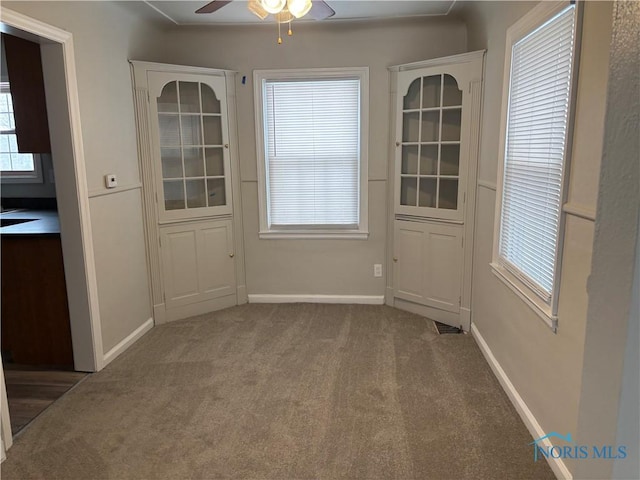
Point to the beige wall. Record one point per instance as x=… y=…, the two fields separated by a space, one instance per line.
x=105 y=36
x=545 y=368
x=611 y=345
x=316 y=266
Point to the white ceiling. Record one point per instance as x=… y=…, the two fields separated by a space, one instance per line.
x=236 y=12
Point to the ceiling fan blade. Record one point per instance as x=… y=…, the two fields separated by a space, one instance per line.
x=213 y=6
x=320 y=10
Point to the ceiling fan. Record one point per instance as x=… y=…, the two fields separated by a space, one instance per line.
x=284 y=10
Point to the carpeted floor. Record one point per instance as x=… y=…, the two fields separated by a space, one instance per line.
x=285 y=391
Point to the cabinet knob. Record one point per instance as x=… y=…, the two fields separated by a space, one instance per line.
x=231 y=255
x=397 y=144
x=395 y=259
x=226 y=145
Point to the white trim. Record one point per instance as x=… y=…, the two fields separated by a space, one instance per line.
x=160 y=313
x=557 y=465
x=439 y=62
x=362 y=232
x=5 y=420
x=24 y=176
x=316 y=235
x=129 y=340
x=86 y=333
x=524 y=293
x=168 y=17
x=103 y=191
x=579 y=211
x=488 y=185
x=342 y=299
x=141 y=68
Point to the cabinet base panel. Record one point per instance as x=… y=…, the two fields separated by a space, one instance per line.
x=164 y=315
x=453 y=319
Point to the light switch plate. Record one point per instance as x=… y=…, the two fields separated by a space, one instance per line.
x=110 y=181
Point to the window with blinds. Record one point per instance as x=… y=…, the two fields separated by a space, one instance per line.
x=312 y=152
x=535 y=152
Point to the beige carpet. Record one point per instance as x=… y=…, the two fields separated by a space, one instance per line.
x=285 y=391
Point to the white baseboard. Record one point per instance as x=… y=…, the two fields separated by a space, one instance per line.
x=127 y=342
x=355 y=299
x=557 y=465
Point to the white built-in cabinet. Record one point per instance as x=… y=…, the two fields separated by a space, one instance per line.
x=435 y=148
x=187 y=142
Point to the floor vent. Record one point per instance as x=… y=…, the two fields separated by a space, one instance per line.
x=442 y=328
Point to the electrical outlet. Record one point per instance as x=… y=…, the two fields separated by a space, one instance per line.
x=377 y=270
x=110 y=181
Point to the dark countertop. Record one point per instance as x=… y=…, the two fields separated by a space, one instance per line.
x=41 y=222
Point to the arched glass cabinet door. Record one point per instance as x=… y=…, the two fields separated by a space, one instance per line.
x=429 y=161
x=192 y=174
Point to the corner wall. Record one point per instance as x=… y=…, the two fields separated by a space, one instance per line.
x=544 y=368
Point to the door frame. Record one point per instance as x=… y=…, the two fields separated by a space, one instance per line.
x=77 y=239
x=141 y=95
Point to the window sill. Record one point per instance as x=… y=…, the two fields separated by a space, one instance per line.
x=314 y=234
x=542 y=310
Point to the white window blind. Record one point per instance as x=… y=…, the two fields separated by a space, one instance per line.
x=535 y=150
x=312 y=144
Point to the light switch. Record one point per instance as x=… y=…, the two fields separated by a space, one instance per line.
x=110 y=181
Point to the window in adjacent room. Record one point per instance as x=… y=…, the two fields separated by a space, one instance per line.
x=15 y=166
x=534 y=153
x=312 y=152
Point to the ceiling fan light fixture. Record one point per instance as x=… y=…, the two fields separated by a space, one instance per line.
x=273 y=6
x=255 y=7
x=299 y=8
x=284 y=16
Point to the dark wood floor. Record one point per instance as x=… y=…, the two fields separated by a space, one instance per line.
x=30 y=390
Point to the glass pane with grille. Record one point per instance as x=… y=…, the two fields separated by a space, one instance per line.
x=210 y=103
x=431 y=130
x=189 y=97
x=191 y=146
x=168 y=100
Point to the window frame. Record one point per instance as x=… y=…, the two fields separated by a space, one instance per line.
x=506 y=272
x=20 y=176
x=310 y=231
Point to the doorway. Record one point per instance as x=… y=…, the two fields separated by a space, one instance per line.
x=58 y=62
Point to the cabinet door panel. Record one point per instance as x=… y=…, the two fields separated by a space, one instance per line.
x=443 y=260
x=408 y=266
x=428 y=266
x=198 y=262
x=217 y=276
x=180 y=266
